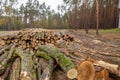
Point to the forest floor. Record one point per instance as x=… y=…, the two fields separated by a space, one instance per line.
x=108 y=35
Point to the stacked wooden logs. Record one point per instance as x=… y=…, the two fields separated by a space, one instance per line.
x=28 y=39
x=21 y=54
x=19 y=64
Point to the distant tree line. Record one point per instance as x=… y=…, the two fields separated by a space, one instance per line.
x=82 y=13
x=71 y=14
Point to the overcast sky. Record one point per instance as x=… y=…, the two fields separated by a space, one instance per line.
x=53 y=3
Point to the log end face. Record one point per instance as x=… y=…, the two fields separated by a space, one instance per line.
x=72 y=73
x=2 y=42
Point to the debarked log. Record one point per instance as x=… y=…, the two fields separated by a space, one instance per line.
x=64 y=62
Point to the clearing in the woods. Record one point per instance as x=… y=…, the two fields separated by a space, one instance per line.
x=107 y=35
x=66 y=54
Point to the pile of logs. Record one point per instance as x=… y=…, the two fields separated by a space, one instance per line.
x=19 y=64
x=22 y=56
x=28 y=39
x=36 y=55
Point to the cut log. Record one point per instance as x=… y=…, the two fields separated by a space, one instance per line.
x=2 y=42
x=5 y=63
x=102 y=75
x=3 y=49
x=27 y=64
x=59 y=75
x=15 y=74
x=38 y=68
x=47 y=67
x=5 y=75
x=86 y=71
x=111 y=63
x=64 y=62
x=3 y=56
x=47 y=72
x=34 y=38
x=110 y=67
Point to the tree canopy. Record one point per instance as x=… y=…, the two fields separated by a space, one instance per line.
x=71 y=14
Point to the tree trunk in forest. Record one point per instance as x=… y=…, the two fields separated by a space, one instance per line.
x=119 y=14
x=85 y=15
x=97 y=17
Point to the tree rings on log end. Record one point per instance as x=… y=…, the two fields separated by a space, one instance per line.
x=72 y=73
x=2 y=42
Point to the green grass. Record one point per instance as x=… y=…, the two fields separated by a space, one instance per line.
x=110 y=31
x=107 y=30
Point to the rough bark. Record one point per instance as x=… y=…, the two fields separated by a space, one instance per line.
x=4 y=64
x=47 y=72
x=59 y=75
x=15 y=74
x=27 y=64
x=5 y=75
x=38 y=68
x=3 y=49
x=64 y=62
x=3 y=56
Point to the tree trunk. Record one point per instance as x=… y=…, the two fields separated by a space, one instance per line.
x=97 y=17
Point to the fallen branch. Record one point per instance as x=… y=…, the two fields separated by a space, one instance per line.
x=110 y=67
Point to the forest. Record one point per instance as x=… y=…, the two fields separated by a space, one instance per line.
x=78 y=41
x=72 y=14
